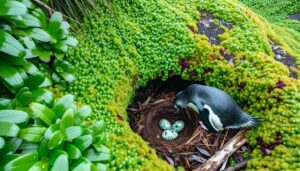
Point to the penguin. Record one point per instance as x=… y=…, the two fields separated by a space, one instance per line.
x=217 y=109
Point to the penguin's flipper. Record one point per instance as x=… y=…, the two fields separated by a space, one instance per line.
x=204 y=117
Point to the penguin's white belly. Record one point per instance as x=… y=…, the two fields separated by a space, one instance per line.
x=214 y=119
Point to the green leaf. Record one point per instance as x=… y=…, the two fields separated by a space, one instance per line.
x=43 y=148
x=101 y=166
x=28 y=42
x=10 y=7
x=30 y=68
x=31 y=21
x=73 y=151
x=40 y=166
x=54 y=26
x=43 y=112
x=83 y=142
x=10 y=75
x=2 y=142
x=50 y=130
x=35 y=80
x=72 y=132
x=27 y=3
x=32 y=134
x=94 y=156
x=43 y=96
x=24 y=96
x=13 y=116
x=23 y=162
x=10 y=45
x=8 y=129
x=54 y=154
x=82 y=166
x=82 y=114
x=61 y=163
x=28 y=145
x=5 y=103
x=55 y=140
x=71 y=41
x=67 y=119
x=39 y=34
x=43 y=54
x=11 y=145
x=21 y=72
x=97 y=127
x=63 y=105
x=41 y=16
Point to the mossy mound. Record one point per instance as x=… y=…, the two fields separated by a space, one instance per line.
x=127 y=43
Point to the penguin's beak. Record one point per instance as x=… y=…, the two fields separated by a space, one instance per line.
x=176 y=108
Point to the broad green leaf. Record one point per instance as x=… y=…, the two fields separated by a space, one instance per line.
x=2 y=142
x=83 y=142
x=67 y=76
x=61 y=47
x=27 y=3
x=47 y=82
x=35 y=80
x=11 y=145
x=40 y=166
x=65 y=25
x=67 y=119
x=31 y=20
x=72 y=132
x=8 y=129
x=82 y=166
x=7 y=158
x=94 y=156
x=40 y=35
x=71 y=41
x=23 y=162
x=43 y=148
x=24 y=96
x=73 y=151
x=29 y=145
x=41 y=16
x=30 y=68
x=63 y=105
x=13 y=116
x=43 y=54
x=50 y=130
x=5 y=103
x=82 y=114
x=43 y=112
x=55 y=140
x=10 y=75
x=10 y=45
x=32 y=134
x=61 y=163
x=54 y=154
x=54 y=26
x=101 y=148
x=101 y=166
x=22 y=73
x=28 y=42
x=97 y=127
x=42 y=96
x=11 y=7
x=16 y=20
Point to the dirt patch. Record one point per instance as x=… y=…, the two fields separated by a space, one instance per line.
x=211 y=27
x=294 y=17
x=195 y=145
x=285 y=58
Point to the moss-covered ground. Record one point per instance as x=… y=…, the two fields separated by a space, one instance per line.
x=127 y=43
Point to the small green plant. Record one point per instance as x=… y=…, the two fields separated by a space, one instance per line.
x=51 y=137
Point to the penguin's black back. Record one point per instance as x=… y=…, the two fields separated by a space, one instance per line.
x=220 y=102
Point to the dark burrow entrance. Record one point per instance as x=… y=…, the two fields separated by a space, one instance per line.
x=194 y=145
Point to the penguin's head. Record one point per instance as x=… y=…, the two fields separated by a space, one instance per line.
x=180 y=101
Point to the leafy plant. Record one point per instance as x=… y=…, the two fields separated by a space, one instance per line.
x=51 y=137
x=25 y=33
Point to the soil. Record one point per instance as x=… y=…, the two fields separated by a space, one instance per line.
x=195 y=145
x=294 y=16
x=285 y=58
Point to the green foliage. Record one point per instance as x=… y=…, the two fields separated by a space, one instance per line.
x=74 y=9
x=48 y=137
x=25 y=33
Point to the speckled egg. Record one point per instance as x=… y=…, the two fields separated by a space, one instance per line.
x=164 y=124
x=178 y=126
x=169 y=135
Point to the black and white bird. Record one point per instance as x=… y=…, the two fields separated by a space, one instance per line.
x=216 y=108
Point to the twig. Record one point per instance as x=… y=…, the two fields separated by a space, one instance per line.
x=230 y=147
x=238 y=166
x=43 y=5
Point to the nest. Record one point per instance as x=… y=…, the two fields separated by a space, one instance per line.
x=194 y=145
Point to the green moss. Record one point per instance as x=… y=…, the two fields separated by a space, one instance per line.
x=125 y=44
